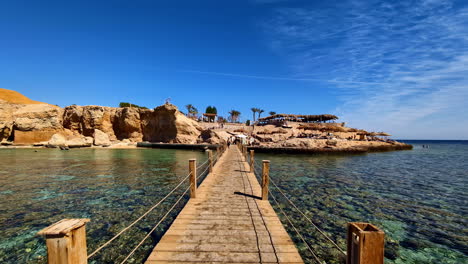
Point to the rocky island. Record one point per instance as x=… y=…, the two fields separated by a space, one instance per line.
x=28 y=123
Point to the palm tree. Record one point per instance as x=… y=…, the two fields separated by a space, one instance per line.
x=191 y=110
x=260 y=111
x=194 y=111
x=254 y=110
x=234 y=115
x=272 y=113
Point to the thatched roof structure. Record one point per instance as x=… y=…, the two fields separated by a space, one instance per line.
x=363 y=132
x=298 y=118
x=383 y=134
x=322 y=127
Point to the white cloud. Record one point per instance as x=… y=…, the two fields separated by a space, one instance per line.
x=398 y=65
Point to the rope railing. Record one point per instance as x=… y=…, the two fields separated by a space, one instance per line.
x=154 y=228
x=201 y=177
x=138 y=219
x=341 y=250
x=201 y=165
x=295 y=229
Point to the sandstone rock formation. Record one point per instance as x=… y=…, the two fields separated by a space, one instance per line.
x=101 y=138
x=29 y=123
x=57 y=140
x=25 y=121
x=211 y=137
x=80 y=142
x=127 y=124
x=84 y=119
x=167 y=124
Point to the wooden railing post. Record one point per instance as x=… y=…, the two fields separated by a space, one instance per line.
x=66 y=242
x=193 y=178
x=252 y=161
x=210 y=158
x=365 y=244
x=265 y=179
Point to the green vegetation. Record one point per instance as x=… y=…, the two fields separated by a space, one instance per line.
x=125 y=104
x=211 y=110
x=254 y=111
x=260 y=111
x=272 y=113
x=192 y=111
x=247 y=123
x=234 y=115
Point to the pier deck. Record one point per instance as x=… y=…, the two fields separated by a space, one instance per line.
x=227 y=222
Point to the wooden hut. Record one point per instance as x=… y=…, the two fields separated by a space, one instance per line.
x=208 y=117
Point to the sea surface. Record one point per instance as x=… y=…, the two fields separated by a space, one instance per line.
x=112 y=187
x=418 y=197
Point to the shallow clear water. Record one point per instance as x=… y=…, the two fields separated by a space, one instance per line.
x=112 y=187
x=417 y=197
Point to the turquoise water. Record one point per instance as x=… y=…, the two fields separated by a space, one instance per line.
x=112 y=187
x=418 y=197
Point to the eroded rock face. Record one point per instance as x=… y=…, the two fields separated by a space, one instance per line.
x=85 y=119
x=38 y=117
x=35 y=123
x=211 y=137
x=167 y=124
x=127 y=124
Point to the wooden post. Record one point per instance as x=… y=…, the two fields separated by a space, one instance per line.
x=365 y=244
x=66 y=242
x=210 y=158
x=265 y=179
x=193 y=178
x=252 y=161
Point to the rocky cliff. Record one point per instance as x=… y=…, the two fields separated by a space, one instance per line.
x=29 y=122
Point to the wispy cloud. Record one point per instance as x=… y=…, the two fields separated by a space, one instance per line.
x=278 y=78
x=401 y=64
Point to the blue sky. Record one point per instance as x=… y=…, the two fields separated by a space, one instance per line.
x=396 y=66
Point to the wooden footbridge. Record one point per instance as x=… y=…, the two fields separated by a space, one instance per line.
x=228 y=219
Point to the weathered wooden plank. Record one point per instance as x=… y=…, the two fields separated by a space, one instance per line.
x=232 y=247
x=227 y=222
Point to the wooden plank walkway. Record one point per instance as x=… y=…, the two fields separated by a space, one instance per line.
x=223 y=225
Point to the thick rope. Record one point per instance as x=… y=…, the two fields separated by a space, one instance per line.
x=154 y=228
x=310 y=221
x=200 y=175
x=138 y=219
x=341 y=250
x=199 y=166
x=295 y=229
